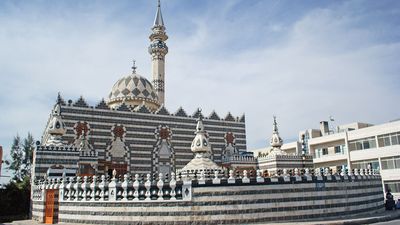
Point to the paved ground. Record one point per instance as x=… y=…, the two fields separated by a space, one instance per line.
x=393 y=222
x=385 y=218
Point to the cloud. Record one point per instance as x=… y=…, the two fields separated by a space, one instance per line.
x=302 y=63
x=326 y=63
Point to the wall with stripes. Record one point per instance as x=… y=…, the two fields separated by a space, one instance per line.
x=238 y=202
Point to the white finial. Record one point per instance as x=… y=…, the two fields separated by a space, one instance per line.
x=275 y=127
x=200 y=126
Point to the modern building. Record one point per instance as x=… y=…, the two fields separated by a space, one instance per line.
x=350 y=146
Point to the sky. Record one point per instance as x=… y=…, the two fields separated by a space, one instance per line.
x=301 y=61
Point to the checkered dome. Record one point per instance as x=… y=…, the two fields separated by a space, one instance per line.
x=133 y=86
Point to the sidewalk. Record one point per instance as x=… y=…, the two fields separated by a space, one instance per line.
x=382 y=217
x=376 y=218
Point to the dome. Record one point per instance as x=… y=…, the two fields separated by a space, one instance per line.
x=133 y=90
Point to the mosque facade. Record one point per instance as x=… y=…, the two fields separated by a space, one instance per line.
x=132 y=130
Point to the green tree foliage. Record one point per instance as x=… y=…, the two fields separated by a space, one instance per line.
x=21 y=157
x=15 y=196
x=15 y=201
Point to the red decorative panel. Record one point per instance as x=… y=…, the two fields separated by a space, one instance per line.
x=81 y=128
x=230 y=138
x=118 y=131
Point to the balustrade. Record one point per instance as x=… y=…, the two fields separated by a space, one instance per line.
x=175 y=188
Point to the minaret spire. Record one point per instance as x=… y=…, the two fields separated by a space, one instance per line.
x=158 y=49
x=158 y=20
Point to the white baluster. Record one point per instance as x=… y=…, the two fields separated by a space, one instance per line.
x=136 y=188
x=308 y=175
x=68 y=195
x=160 y=185
x=231 y=179
x=297 y=174
x=356 y=172
x=61 y=192
x=77 y=187
x=202 y=179
x=216 y=179
x=245 y=179
x=125 y=187
x=93 y=186
x=260 y=179
x=286 y=176
x=85 y=188
x=319 y=173
x=112 y=188
x=172 y=185
x=147 y=185
x=102 y=187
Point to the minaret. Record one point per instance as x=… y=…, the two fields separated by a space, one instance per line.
x=158 y=49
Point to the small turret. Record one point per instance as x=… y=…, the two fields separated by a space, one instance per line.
x=202 y=149
x=276 y=140
x=56 y=128
x=200 y=142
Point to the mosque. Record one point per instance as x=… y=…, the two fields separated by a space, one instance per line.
x=132 y=130
x=128 y=160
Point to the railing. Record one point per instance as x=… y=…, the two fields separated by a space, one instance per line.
x=105 y=189
x=176 y=188
x=239 y=159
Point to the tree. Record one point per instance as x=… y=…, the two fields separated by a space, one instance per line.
x=18 y=189
x=21 y=157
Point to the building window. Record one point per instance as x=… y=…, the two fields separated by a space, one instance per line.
x=317 y=153
x=389 y=139
x=391 y=163
x=361 y=144
x=340 y=149
x=374 y=164
x=324 y=151
x=394 y=186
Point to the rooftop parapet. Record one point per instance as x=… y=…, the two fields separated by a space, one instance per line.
x=81 y=103
x=239 y=158
x=57 y=148
x=262 y=156
x=89 y=154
